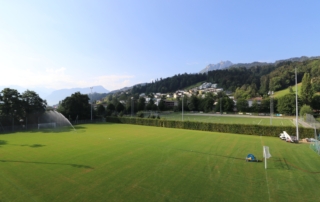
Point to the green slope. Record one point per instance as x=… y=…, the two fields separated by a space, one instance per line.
x=286 y=91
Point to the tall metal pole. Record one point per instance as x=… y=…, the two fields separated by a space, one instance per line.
x=297 y=127
x=131 y=106
x=91 y=103
x=220 y=106
x=271 y=107
x=182 y=106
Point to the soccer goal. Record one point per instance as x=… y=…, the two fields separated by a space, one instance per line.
x=47 y=125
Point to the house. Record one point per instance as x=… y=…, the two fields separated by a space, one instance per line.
x=214 y=85
x=170 y=104
x=258 y=99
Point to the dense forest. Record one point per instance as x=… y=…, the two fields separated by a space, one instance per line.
x=257 y=80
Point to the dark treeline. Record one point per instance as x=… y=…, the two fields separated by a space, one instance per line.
x=170 y=84
x=259 y=80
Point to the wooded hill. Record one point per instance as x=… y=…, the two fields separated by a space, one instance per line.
x=253 y=81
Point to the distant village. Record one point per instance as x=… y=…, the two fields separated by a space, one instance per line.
x=171 y=99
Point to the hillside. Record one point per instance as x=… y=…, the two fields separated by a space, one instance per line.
x=283 y=92
x=259 y=79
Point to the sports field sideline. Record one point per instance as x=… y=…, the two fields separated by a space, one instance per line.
x=119 y=162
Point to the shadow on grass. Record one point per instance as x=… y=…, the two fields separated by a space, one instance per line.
x=3 y=142
x=46 y=163
x=286 y=165
x=33 y=145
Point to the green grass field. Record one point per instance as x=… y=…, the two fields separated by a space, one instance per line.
x=277 y=121
x=114 y=162
x=281 y=93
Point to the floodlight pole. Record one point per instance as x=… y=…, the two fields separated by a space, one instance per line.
x=131 y=106
x=91 y=102
x=297 y=127
x=182 y=106
x=220 y=106
x=271 y=106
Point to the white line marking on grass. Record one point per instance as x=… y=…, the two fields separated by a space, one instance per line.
x=281 y=122
x=259 y=121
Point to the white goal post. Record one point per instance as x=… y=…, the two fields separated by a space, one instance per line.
x=47 y=125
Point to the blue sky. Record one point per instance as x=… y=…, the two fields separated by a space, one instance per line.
x=66 y=44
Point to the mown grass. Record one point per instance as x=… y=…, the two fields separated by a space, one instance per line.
x=118 y=162
x=281 y=93
x=256 y=120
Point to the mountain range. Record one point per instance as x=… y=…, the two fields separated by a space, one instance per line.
x=59 y=95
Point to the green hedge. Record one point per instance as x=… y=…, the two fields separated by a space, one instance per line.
x=273 y=131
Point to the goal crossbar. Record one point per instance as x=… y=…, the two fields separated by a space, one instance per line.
x=47 y=125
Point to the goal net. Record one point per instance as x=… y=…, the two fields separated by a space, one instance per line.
x=47 y=125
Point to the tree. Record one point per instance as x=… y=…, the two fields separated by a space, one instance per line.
x=111 y=107
x=315 y=104
x=242 y=105
x=265 y=105
x=101 y=110
x=32 y=103
x=119 y=107
x=11 y=103
x=227 y=104
x=305 y=109
x=77 y=105
x=150 y=104
x=193 y=103
x=207 y=102
x=141 y=104
x=287 y=104
x=306 y=93
x=315 y=82
x=162 y=105
x=255 y=106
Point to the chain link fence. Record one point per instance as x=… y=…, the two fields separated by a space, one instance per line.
x=10 y=124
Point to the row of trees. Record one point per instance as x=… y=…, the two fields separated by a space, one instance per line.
x=16 y=106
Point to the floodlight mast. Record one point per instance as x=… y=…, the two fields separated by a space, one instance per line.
x=297 y=127
x=271 y=106
x=182 y=106
x=91 y=102
x=132 y=107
